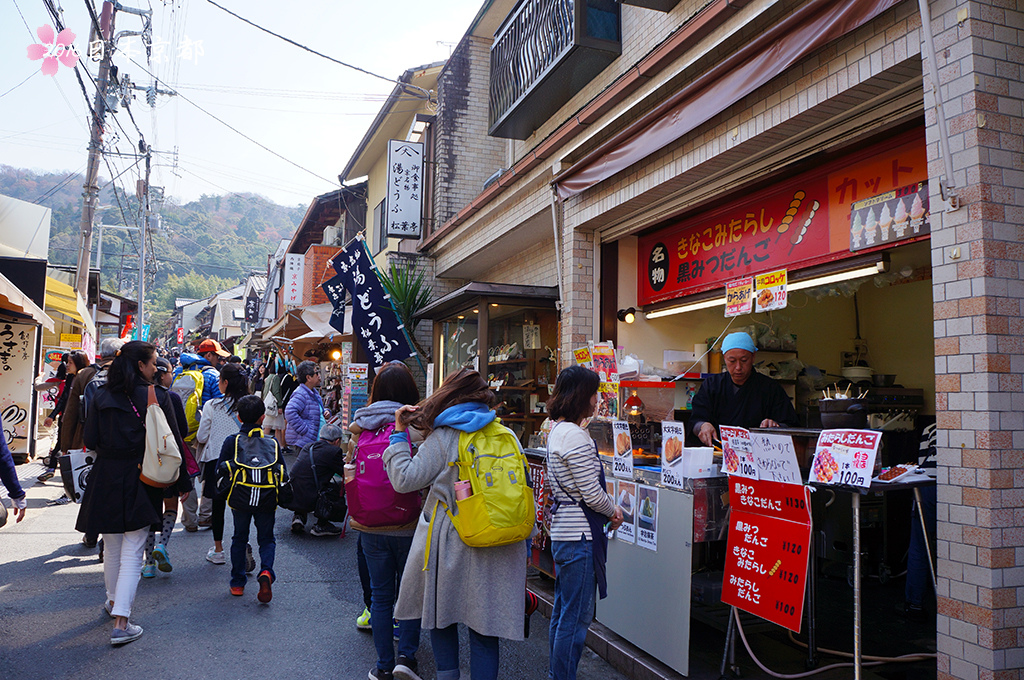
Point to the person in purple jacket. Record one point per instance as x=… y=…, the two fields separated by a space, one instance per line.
x=305 y=408
x=10 y=476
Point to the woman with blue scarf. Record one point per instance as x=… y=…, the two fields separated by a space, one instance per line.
x=453 y=583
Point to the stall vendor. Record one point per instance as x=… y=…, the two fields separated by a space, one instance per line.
x=742 y=397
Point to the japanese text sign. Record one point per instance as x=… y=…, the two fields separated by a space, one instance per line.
x=897 y=215
x=252 y=309
x=845 y=457
x=622 y=463
x=17 y=362
x=405 y=189
x=373 y=318
x=294 y=273
x=673 y=434
x=768 y=550
x=775 y=457
x=770 y=291
x=737 y=452
x=627 y=500
x=180 y=336
x=739 y=296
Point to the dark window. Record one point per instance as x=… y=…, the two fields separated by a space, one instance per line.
x=380 y=240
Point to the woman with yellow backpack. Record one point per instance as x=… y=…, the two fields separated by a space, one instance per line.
x=467 y=563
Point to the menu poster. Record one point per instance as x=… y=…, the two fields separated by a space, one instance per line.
x=672 y=436
x=647 y=517
x=622 y=463
x=770 y=291
x=603 y=357
x=737 y=452
x=845 y=457
x=768 y=550
x=608 y=400
x=775 y=457
x=627 y=501
x=583 y=357
x=739 y=296
x=358 y=371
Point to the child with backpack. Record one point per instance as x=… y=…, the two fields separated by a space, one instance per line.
x=385 y=519
x=467 y=563
x=253 y=479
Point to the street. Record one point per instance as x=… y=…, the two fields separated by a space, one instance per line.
x=52 y=623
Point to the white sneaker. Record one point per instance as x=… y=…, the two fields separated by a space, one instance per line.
x=120 y=637
x=215 y=556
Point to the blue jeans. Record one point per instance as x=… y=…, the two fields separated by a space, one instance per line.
x=264 y=521
x=385 y=560
x=574 y=605
x=919 y=575
x=483 y=654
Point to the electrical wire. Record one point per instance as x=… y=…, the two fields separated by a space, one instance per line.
x=239 y=132
x=907 y=658
x=19 y=84
x=60 y=185
x=425 y=93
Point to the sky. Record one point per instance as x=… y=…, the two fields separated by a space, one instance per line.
x=307 y=109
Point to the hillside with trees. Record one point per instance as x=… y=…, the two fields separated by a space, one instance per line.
x=201 y=246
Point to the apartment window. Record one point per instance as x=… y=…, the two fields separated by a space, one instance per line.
x=379 y=217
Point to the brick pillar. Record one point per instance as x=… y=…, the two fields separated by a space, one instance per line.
x=978 y=267
x=578 y=291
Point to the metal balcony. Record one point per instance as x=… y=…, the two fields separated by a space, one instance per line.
x=544 y=53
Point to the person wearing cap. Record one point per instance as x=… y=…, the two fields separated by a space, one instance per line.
x=211 y=357
x=740 y=397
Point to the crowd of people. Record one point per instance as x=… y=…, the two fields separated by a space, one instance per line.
x=427 y=557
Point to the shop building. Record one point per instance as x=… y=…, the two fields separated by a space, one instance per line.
x=707 y=121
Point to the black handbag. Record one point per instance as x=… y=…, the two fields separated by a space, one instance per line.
x=330 y=503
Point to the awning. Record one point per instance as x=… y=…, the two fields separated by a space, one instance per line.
x=62 y=298
x=13 y=299
x=790 y=40
x=318 y=318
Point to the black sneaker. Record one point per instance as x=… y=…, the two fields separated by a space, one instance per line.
x=326 y=529
x=405 y=668
x=378 y=674
x=298 y=526
x=89 y=541
x=250 y=561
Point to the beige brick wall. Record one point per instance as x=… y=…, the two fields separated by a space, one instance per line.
x=977 y=256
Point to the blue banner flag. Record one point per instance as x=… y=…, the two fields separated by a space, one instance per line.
x=374 y=320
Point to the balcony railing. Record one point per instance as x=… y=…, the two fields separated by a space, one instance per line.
x=544 y=53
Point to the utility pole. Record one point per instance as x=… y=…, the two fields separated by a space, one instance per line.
x=142 y=243
x=90 y=194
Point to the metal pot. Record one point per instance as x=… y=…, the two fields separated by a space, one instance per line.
x=883 y=379
x=857 y=373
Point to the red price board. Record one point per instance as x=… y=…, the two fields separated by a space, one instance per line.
x=768 y=550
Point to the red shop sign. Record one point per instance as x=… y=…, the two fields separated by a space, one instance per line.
x=768 y=550
x=798 y=223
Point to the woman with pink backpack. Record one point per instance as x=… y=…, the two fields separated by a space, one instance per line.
x=385 y=519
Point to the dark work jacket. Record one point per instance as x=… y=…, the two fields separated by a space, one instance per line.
x=115 y=501
x=329 y=459
x=758 y=398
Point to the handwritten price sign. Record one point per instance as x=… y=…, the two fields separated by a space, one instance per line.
x=622 y=463
x=738 y=452
x=672 y=464
x=845 y=457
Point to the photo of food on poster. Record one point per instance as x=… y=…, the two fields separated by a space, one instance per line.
x=737 y=452
x=626 y=499
x=647 y=517
x=622 y=463
x=609 y=486
x=845 y=457
x=672 y=436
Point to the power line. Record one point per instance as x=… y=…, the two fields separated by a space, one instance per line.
x=237 y=131
x=19 y=84
x=425 y=93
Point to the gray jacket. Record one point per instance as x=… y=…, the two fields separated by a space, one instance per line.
x=484 y=588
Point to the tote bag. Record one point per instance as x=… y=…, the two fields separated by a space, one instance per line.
x=162 y=459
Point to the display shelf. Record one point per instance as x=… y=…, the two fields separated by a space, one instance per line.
x=513 y=388
x=507 y=362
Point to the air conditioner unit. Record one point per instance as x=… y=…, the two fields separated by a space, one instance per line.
x=332 y=236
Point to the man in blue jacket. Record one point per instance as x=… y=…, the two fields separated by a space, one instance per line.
x=305 y=408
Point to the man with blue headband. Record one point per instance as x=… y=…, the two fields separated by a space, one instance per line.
x=740 y=397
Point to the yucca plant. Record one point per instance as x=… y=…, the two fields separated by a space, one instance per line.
x=409 y=295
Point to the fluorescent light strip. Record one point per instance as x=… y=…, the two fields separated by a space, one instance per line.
x=870 y=270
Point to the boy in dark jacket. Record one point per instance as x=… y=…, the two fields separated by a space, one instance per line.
x=251 y=474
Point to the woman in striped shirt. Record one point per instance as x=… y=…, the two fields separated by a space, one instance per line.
x=582 y=506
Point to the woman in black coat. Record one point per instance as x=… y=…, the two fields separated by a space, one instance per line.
x=116 y=503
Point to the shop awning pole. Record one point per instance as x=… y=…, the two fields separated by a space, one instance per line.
x=947 y=186
x=558 y=245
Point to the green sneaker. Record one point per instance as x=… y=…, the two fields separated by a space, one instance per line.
x=363 y=621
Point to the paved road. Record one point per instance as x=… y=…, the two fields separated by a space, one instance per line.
x=52 y=624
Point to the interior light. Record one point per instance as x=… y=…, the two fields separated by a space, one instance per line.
x=627 y=315
x=476 y=311
x=494 y=304
x=870 y=270
x=704 y=304
x=460 y=317
x=335 y=354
